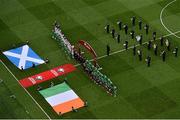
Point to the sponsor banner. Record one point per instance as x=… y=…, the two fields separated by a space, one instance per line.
x=47 y=75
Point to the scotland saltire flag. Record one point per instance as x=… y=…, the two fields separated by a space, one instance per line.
x=23 y=57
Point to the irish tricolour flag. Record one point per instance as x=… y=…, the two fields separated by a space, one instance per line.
x=62 y=98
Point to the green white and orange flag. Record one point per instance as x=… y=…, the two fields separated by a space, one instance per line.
x=62 y=98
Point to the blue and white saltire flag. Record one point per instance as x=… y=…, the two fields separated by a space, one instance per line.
x=23 y=57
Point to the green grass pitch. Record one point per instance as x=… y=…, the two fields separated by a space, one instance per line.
x=142 y=92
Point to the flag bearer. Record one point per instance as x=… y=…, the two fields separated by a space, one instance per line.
x=73 y=109
x=22 y=68
x=33 y=65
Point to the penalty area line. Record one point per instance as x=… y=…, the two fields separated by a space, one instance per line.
x=119 y=51
x=25 y=89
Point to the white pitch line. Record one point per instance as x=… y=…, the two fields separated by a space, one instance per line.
x=161 y=14
x=119 y=51
x=25 y=90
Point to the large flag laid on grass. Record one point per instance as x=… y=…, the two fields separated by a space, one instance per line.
x=23 y=57
x=62 y=98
